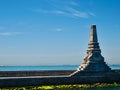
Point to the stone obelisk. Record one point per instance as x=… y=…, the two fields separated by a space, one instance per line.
x=94 y=61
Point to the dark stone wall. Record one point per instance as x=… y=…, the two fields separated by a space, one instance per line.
x=35 y=73
x=36 y=81
x=82 y=78
x=117 y=70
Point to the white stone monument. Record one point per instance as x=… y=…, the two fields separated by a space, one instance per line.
x=94 y=61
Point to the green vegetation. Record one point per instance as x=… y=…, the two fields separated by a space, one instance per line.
x=63 y=87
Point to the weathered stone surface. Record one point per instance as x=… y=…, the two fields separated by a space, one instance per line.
x=35 y=73
x=82 y=78
x=94 y=61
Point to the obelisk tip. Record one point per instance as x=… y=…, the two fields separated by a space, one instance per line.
x=93 y=26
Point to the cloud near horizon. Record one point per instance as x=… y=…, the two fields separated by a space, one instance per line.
x=9 y=33
x=59 y=30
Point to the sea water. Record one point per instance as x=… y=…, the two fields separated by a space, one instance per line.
x=46 y=67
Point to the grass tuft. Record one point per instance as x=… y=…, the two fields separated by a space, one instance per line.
x=64 y=87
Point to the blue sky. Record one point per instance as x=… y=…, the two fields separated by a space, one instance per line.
x=56 y=32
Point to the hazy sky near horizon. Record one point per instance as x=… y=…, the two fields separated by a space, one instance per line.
x=56 y=32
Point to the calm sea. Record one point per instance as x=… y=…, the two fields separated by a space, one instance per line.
x=52 y=67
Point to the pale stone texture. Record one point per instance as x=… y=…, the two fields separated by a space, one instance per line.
x=94 y=61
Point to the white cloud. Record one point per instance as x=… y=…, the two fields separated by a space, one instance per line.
x=81 y=14
x=5 y=33
x=73 y=3
x=58 y=12
x=92 y=14
x=49 y=11
x=69 y=8
x=41 y=11
x=59 y=30
x=67 y=12
x=77 y=13
x=9 y=33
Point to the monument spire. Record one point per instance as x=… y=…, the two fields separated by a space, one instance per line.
x=93 y=43
x=93 y=61
x=93 y=34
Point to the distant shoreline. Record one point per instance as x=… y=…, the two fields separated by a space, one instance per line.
x=57 y=65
